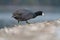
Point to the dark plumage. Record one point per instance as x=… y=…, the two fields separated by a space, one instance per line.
x=24 y=15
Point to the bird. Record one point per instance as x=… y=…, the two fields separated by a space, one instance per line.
x=25 y=15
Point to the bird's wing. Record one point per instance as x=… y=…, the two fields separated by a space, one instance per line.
x=27 y=16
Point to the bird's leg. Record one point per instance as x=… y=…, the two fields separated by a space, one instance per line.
x=27 y=22
x=18 y=21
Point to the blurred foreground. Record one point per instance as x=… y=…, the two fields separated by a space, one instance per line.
x=48 y=30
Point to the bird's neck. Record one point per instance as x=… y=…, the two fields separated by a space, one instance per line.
x=34 y=16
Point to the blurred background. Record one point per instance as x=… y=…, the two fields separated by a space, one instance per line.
x=31 y=2
x=51 y=8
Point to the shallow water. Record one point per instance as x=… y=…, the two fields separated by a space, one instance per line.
x=51 y=13
x=7 y=20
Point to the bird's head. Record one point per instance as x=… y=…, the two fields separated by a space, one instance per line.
x=39 y=13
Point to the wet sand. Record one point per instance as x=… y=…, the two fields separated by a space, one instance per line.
x=48 y=30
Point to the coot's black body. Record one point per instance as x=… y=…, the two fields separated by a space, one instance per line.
x=24 y=14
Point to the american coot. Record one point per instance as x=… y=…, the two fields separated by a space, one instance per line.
x=25 y=15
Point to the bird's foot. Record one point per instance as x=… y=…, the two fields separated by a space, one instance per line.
x=28 y=23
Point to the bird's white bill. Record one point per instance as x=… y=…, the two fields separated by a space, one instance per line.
x=43 y=14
